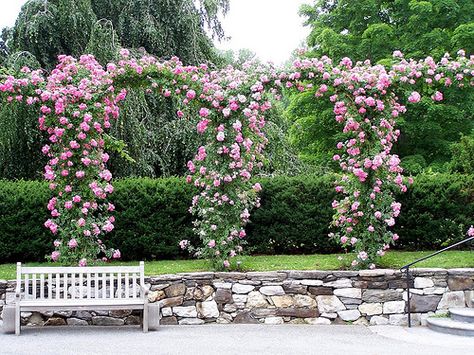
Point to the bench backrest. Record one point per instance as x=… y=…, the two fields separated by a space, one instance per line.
x=94 y=282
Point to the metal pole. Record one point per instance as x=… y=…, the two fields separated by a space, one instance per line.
x=408 y=297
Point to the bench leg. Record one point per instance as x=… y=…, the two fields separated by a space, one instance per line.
x=17 y=319
x=153 y=316
x=145 y=318
x=9 y=314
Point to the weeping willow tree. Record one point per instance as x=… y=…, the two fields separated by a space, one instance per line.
x=159 y=143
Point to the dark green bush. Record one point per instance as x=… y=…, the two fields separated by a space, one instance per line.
x=294 y=217
x=437 y=210
x=152 y=216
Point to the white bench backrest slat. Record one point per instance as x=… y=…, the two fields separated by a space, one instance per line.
x=102 y=282
x=42 y=286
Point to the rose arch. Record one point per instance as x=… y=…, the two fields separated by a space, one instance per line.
x=79 y=98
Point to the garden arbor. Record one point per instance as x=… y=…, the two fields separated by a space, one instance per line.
x=79 y=98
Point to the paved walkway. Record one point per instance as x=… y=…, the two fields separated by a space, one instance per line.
x=236 y=339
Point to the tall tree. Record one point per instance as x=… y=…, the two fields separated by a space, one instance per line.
x=373 y=29
x=159 y=143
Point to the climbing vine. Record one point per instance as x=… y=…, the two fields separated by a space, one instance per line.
x=80 y=98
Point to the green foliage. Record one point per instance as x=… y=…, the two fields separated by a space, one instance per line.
x=437 y=210
x=22 y=214
x=463 y=155
x=373 y=29
x=159 y=143
x=294 y=216
x=152 y=216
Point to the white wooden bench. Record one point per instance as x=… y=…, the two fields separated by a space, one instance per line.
x=81 y=288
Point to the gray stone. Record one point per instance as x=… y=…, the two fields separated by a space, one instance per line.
x=166 y=312
x=171 y=302
x=154 y=296
x=230 y=275
x=159 y=287
x=274 y=320
x=453 y=299
x=169 y=321
x=469 y=297
x=311 y=282
x=225 y=285
x=223 y=295
x=434 y=290
x=189 y=303
x=100 y=313
x=282 y=301
x=120 y=313
x=65 y=314
x=133 y=320
x=350 y=301
x=191 y=321
x=245 y=318
x=371 y=309
x=373 y=296
x=398 y=319
x=329 y=304
x=204 y=275
x=297 y=321
x=423 y=282
x=25 y=314
x=272 y=290
x=468 y=272
x=329 y=315
x=461 y=283
x=242 y=289
x=256 y=300
x=348 y=292
x=378 y=320
x=391 y=307
x=36 y=319
x=320 y=291
x=230 y=308
x=54 y=321
x=201 y=293
x=188 y=312
x=207 y=309
x=424 y=303
x=239 y=298
x=349 y=315
x=264 y=312
x=297 y=312
x=317 y=321
x=339 y=283
x=294 y=287
x=104 y=320
x=267 y=276
x=175 y=290
x=224 y=318
x=76 y=322
x=83 y=315
x=361 y=321
x=298 y=275
x=304 y=301
x=376 y=272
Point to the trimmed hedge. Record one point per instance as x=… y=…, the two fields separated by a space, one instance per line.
x=152 y=216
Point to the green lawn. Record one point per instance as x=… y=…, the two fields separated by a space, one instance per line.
x=393 y=259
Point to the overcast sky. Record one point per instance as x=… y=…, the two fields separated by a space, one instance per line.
x=271 y=28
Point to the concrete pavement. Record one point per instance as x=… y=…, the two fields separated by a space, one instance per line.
x=235 y=339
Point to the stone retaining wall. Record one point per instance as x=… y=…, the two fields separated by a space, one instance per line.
x=313 y=297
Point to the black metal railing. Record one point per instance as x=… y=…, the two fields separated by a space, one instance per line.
x=407 y=270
